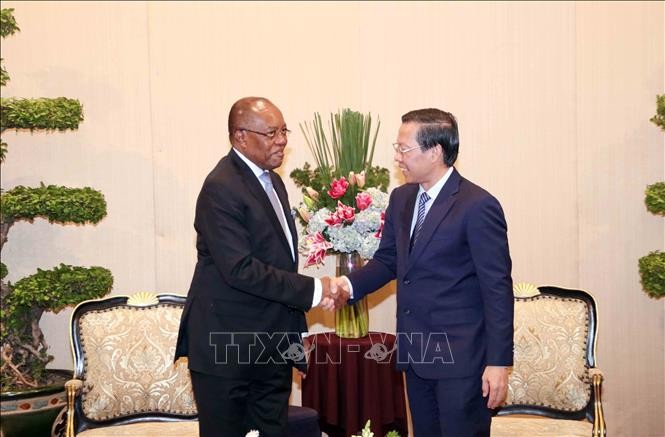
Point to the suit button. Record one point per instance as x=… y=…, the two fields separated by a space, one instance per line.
x=407 y=281
x=407 y=311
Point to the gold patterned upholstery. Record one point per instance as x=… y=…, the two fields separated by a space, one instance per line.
x=550 y=354
x=130 y=350
x=125 y=375
x=553 y=373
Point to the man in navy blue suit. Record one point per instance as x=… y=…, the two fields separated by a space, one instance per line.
x=445 y=242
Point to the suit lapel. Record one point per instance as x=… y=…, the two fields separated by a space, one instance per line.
x=284 y=200
x=444 y=201
x=256 y=189
x=407 y=218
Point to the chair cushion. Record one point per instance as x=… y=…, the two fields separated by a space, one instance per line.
x=513 y=426
x=303 y=422
x=550 y=354
x=129 y=366
x=148 y=429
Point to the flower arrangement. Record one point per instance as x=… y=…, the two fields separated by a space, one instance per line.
x=344 y=198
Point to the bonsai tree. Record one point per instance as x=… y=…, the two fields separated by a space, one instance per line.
x=652 y=266
x=23 y=350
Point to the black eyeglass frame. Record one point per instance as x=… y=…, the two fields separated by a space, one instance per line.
x=271 y=134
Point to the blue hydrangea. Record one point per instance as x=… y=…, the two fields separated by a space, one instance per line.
x=369 y=246
x=317 y=221
x=379 y=199
x=344 y=238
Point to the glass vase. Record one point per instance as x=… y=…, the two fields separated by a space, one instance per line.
x=351 y=321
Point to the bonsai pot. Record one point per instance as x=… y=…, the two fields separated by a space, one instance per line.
x=32 y=412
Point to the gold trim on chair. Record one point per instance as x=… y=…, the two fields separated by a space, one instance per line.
x=599 y=417
x=71 y=386
x=142 y=299
x=525 y=289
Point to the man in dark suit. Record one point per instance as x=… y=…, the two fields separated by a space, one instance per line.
x=445 y=242
x=241 y=326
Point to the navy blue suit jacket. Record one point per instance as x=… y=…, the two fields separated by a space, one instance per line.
x=454 y=288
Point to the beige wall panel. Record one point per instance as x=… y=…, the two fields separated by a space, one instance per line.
x=219 y=53
x=506 y=72
x=97 y=53
x=552 y=98
x=620 y=71
x=495 y=91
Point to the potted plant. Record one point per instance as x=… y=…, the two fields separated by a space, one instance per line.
x=652 y=266
x=344 y=201
x=23 y=350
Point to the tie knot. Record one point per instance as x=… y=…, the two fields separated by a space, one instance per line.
x=265 y=178
x=424 y=197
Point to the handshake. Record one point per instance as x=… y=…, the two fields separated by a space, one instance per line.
x=336 y=292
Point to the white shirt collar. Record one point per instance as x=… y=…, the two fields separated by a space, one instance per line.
x=436 y=188
x=258 y=171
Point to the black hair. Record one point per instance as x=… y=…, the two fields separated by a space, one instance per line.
x=437 y=127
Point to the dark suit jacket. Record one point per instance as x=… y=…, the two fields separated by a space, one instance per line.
x=454 y=290
x=245 y=280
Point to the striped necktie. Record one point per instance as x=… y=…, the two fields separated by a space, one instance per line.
x=424 y=198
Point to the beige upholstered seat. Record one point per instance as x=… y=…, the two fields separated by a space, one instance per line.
x=123 y=353
x=533 y=426
x=163 y=429
x=125 y=382
x=554 y=374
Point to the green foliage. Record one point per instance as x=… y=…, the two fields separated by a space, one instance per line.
x=60 y=113
x=659 y=118
x=8 y=24
x=4 y=76
x=57 y=204
x=652 y=266
x=53 y=290
x=24 y=353
x=652 y=272
x=7 y=27
x=349 y=147
x=655 y=198
x=46 y=290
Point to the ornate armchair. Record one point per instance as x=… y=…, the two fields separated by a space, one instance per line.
x=125 y=382
x=554 y=388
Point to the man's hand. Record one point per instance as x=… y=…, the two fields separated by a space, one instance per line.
x=340 y=283
x=495 y=384
x=334 y=296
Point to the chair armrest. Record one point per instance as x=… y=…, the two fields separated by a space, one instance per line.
x=71 y=387
x=598 y=416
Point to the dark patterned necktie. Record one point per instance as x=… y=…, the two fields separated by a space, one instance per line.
x=424 y=198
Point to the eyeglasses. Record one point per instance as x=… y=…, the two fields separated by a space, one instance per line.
x=270 y=134
x=402 y=150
